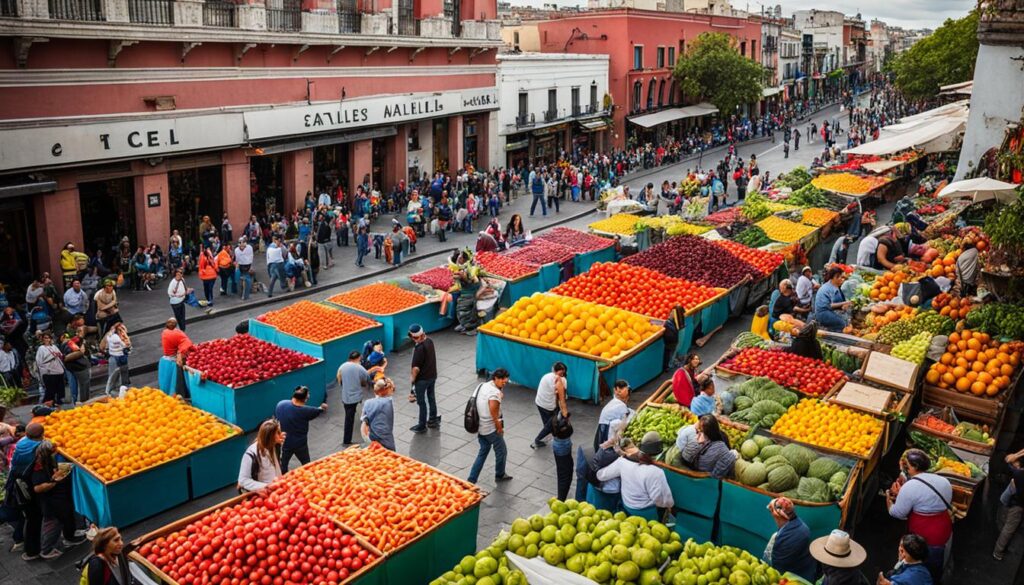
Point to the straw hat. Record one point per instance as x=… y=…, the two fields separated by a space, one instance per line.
x=838 y=550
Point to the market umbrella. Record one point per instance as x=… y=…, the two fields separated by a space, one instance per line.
x=981 y=189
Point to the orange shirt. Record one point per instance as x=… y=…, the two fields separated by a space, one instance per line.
x=175 y=342
x=207 y=271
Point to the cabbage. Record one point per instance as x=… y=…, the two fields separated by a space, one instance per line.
x=753 y=474
x=749 y=450
x=813 y=489
x=769 y=451
x=782 y=478
x=799 y=457
x=837 y=484
x=823 y=468
x=762 y=441
x=743 y=402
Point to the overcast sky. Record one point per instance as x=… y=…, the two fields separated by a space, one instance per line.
x=905 y=13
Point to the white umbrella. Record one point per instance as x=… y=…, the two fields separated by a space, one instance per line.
x=981 y=189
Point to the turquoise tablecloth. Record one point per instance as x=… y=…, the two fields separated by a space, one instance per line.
x=583 y=261
x=396 y=326
x=518 y=289
x=696 y=504
x=131 y=498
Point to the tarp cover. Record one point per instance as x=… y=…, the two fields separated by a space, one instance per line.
x=652 y=120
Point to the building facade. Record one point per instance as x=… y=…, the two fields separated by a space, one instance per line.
x=133 y=118
x=551 y=102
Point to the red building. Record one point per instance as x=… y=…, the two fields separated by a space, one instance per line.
x=136 y=117
x=643 y=46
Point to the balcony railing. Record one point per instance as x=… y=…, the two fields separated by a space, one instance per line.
x=407 y=25
x=76 y=9
x=525 y=120
x=8 y=7
x=285 y=16
x=349 y=19
x=151 y=12
x=550 y=115
x=220 y=14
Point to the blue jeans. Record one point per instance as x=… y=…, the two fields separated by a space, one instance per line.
x=543 y=204
x=245 y=284
x=830 y=320
x=562 y=450
x=360 y=254
x=276 y=271
x=426 y=400
x=398 y=256
x=500 y=453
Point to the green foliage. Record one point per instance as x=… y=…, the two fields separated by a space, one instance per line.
x=713 y=69
x=1005 y=225
x=946 y=56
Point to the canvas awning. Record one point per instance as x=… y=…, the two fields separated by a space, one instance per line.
x=517 y=145
x=881 y=166
x=673 y=114
x=594 y=125
x=770 y=91
x=918 y=137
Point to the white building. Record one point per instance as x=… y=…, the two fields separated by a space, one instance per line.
x=789 y=56
x=551 y=102
x=826 y=27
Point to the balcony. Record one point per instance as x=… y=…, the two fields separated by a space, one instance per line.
x=8 y=7
x=219 y=14
x=284 y=15
x=549 y=117
x=82 y=10
x=525 y=120
x=158 y=12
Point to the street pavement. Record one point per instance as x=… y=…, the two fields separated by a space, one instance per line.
x=450 y=448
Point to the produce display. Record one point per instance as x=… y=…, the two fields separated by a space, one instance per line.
x=944 y=459
x=503 y=266
x=817 y=216
x=386 y=498
x=883 y=314
x=242 y=360
x=839 y=359
x=848 y=183
x=116 y=438
x=748 y=339
x=944 y=266
x=757 y=207
x=806 y=375
x=975 y=362
x=998 y=319
x=753 y=237
x=766 y=262
x=795 y=178
x=271 y=537
x=439 y=278
x=573 y=324
x=682 y=228
x=541 y=252
x=697 y=260
x=380 y=298
x=574 y=239
x=727 y=216
x=315 y=322
x=782 y=230
x=887 y=285
x=577 y=537
x=696 y=207
x=707 y=563
x=950 y=306
x=657 y=222
x=760 y=401
x=792 y=470
x=811 y=196
x=926 y=321
x=634 y=288
x=913 y=350
x=620 y=223
x=964 y=430
x=666 y=420
x=831 y=426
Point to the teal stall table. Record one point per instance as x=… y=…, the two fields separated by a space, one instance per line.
x=527 y=362
x=696 y=497
x=250 y=405
x=216 y=465
x=132 y=498
x=550 y=276
x=395 y=327
x=436 y=551
x=333 y=352
x=715 y=314
x=523 y=286
x=582 y=261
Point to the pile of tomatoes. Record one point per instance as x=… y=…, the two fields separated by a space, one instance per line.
x=503 y=266
x=242 y=360
x=809 y=376
x=381 y=298
x=635 y=288
x=315 y=322
x=765 y=261
x=695 y=259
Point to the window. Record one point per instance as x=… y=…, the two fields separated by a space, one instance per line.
x=576 y=101
x=673 y=98
x=753 y=50
x=661 y=93
x=638 y=56
x=661 y=57
x=515 y=41
x=593 y=96
x=637 y=91
x=524 y=105
x=650 y=94
x=743 y=48
x=552 y=104
x=671 y=56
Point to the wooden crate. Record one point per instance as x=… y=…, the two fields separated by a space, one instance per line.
x=944 y=413
x=984 y=409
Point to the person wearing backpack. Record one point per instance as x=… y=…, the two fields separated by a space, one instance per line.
x=261 y=463
x=537 y=188
x=107 y=564
x=561 y=448
x=490 y=430
x=18 y=490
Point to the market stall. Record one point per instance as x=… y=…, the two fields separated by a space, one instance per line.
x=395 y=308
x=588 y=249
x=522 y=279
x=554 y=261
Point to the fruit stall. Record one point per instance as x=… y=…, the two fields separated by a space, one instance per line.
x=851 y=184
x=554 y=262
x=395 y=308
x=588 y=249
x=521 y=279
x=142 y=454
x=317 y=330
x=623 y=228
x=241 y=379
x=598 y=344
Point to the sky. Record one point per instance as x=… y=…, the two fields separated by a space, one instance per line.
x=905 y=13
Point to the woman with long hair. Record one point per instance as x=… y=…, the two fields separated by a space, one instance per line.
x=117 y=345
x=261 y=463
x=711 y=452
x=207 y=273
x=515 y=233
x=52 y=487
x=107 y=565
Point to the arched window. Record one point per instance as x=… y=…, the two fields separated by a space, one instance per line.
x=650 y=94
x=661 y=93
x=637 y=99
x=673 y=99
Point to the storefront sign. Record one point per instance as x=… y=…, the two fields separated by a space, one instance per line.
x=355 y=113
x=153 y=200
x=26 y=148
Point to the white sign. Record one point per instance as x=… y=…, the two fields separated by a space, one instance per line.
x=60 y=145
x=359 y=112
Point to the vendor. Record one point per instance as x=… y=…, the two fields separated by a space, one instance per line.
x=805 y=287
x=967 y=268
x=515 y=233
x=616 y=409
x=603 y=495
x=840 y=250
x=839 y=556
x=704 y=402
x=830 y=301
x=644 y=485
x=925 y=501
x=786 y=303
x=260 y=462
x=869 y=247
x=710 y=452
x=686 y=380
x=890 y=251
x=788 y=548
x=176 y=346
x=805 y=341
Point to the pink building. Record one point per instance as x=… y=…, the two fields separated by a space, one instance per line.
x=136 y=117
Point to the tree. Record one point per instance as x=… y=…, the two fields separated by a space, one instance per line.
x=946 y=56
x=714 y=70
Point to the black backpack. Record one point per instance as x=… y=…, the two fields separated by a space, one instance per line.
x=471 y=417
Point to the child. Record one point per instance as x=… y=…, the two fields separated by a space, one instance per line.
x=379 y=415
x=375 y=361
x=378 y=245
x=389 y=252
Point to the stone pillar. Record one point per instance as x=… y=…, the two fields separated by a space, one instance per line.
x=455 y=143
x=360 y=164
x=236 y=187
x=298 y=178
x=58 y=221
x=188 y=13
x=116 y=10
x=152 y=224
x=483 y=142
x=252 y=16
x=33 y=8
x=397 y=158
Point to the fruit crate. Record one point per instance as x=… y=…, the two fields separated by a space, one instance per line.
x=982 y=408
x=518 y=288
x=372 y=574
x=871 y=459
x=696 y=495
x=396 y=325
x=148 y=492
x=332 y=351
x=726 y=373
x=894 y=416
x=950 y=415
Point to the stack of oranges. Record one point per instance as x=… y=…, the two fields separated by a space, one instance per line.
x=382 y=298
x=944 y=266
x=887 y=285
x=951 y=306
x=975 y=363
x=315 y=322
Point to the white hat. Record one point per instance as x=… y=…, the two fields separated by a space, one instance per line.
x=838 y=550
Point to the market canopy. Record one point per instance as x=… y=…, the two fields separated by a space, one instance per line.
x=981 y=189
x=770 y=91
x=940 y=130
x=881 y=166
x=673 y=114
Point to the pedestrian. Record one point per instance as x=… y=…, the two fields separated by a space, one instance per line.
x=925 y=501
x=117 y=345
x=352 y=377
x=50 y=363
x=1012 y=499
x=537 y=188
x=177 y=290
x=550 y=398
x=910 y=569
x=424 y=376
x=52 y=487
x=796 y=139
x=22 y=462
x=398 y=241
x=107 y=312
x=243 y=260
x=175 y=345
x=785 y=150
x=77 y=367
x=839 y=556
x=75 y=299
x=616 y=409
x=208 y=274
x=788 y=548
x=561 y=449
x=260 y=462
x=379 y=415
x=644 y=487
x=362 y=246
x=107 y=565
x=740 y=178
x=294 y=417
x=325 y=244
x=10 y=364
x=275 y=265
x=491 y=432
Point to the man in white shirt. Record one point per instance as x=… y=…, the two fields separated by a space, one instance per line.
x=323 y=199
x=75 y=299
x=9 y=364
x=644 y=485
x=275 y=264
x=492 y=429
x=549 y=399
x=177 y=290
x=805 y=287
x=244 y=258
x=616 y=409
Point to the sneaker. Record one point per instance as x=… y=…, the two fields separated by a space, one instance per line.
x=434 y=423
x=27 y=557
x=459 y=328
x=51 y=554
x=538 y=444
x=505 y=477
x=469 y=332
x=418 y=429
x=77 y=540
x=17 y=546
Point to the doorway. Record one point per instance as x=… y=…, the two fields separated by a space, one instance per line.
x=108 y=214
x=330 y=168
x=193 y=194
x=266 y=177
x=469 y=147
x=441 y=145
x=379 y=163
x=19 y=264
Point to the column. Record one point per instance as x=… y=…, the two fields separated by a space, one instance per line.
x=455 y=144
x=58 y=221
x=397 y=158
x=360 y=163
x=298 y=178
x=237 y=188
x=483 y=142
x=152 y=222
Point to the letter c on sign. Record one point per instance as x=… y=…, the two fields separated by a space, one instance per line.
x=57 y=149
